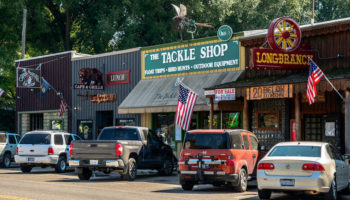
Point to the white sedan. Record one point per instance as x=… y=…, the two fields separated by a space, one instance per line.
x=312 y=167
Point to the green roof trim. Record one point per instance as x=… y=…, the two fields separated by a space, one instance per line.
x=188 y=42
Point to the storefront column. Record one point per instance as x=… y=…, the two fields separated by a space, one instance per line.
x=211 y=112
x=297 y=117
x=347 y=122
x=245 y=114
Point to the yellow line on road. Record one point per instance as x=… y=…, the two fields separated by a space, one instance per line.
x=13 y=197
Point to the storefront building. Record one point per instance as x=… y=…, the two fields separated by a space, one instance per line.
x=273 y=90
x=197 y=64
x=34 y=112
x=99 y=84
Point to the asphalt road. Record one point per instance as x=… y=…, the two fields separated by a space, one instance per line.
x=46 y=184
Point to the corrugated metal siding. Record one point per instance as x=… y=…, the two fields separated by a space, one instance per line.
x=109 y=63
x=57 y=70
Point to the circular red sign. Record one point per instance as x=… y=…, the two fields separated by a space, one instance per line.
x=284 y=34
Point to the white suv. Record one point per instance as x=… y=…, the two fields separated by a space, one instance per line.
x=43 y=149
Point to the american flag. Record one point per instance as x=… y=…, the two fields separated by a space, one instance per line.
x=63 y=107
x=315 y=76
x=184 y=110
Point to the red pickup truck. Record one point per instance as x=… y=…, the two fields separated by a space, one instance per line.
x=218 y=157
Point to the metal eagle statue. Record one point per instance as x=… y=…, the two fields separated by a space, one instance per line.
x=181 y=21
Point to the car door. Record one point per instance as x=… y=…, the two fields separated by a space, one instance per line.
x=68 y=138
x=59 y=144
x=342 y=168
x=12 y=144
x=247 y=153
x=254 y=150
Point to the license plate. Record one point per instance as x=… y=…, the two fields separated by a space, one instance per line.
x=93 y=162
x=287 y=182
x=30 y=159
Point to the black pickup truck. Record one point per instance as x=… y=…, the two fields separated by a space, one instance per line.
x=122 y=149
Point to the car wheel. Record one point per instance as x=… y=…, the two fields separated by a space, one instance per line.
x=167 y=168
x=61 y=165
x=131 y=170
x=6 y=160
x=264 y=194
x=242 y=181
x=332 y=193
x=187 y=186
x=84 y=174
x=26 y=168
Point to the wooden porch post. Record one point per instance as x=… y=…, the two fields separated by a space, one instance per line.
x=297 y=117
x=211 y=113
x=245 y=114
x=347 y=121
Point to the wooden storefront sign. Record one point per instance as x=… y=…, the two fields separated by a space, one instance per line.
x=270 y=92
x=103 y=98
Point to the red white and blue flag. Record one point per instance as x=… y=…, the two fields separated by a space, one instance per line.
x=63 y=107
x=315 y=76
x=184 y=110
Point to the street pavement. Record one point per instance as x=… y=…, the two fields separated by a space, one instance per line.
x=46 y=184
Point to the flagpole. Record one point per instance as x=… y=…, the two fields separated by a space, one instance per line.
x=57 y=95
x=334 y=88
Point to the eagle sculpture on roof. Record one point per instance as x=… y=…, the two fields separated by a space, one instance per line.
x=181 y=21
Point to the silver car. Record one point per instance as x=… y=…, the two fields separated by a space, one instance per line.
x=8 y=144
x=312 y=167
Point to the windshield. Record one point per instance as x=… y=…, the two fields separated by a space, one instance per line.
x=299 y=151
x=2 y=138
x=36 y=139
x=119 y=134
x=206 y=141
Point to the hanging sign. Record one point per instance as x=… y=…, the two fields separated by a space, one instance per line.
x=275 y=59
x=28 y=78
x=225 y=94
x=212 y=56
x=118 y=77
x=209 y=92
x=103 y=98
x=269 y=92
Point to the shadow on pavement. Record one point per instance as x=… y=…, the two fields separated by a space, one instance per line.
x=202 y=189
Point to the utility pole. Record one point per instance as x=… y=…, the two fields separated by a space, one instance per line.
x=313 y=12
x=24 y=32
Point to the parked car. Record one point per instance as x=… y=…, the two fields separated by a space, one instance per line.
x=312 y=167
x=122 y=149
x=44 y=149
x=8 y=144
x=218 y=157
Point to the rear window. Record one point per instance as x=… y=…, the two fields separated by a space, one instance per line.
x=206 y=141
x=119 y=134
x=36 y=139
x=298 y=151
x=2 y=138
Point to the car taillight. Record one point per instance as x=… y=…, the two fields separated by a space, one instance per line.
x=312 y=167
x=118 y=150
x=16 y=150
x=50 y=151
x=230 y=162
x=181 y=160
x=266 y=166
x=71 y=149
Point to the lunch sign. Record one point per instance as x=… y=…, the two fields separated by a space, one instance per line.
x=192 y=59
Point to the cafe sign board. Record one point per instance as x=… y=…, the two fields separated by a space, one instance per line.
x=211 y=56
x=275 y=59
x=99 y=98
x=225 y=94
x=269 y=92
x=118 y=77
x=28 y=78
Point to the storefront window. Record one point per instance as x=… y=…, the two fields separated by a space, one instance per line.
x=85 y=129
x=268 y=120
x=126 y=122
x=56 y=124
x=165 y=121
x=223 y=120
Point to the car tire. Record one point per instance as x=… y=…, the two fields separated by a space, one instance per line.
x=187 y=186
x=131 y=170
x=167 y=168
x=84 y=174
x=332 y=193
x=242 y=181
x=6 y=160
x=61 y=165
x=26 y=168
x=264 y=194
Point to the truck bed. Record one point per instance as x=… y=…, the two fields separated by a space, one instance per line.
x=94 y=149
